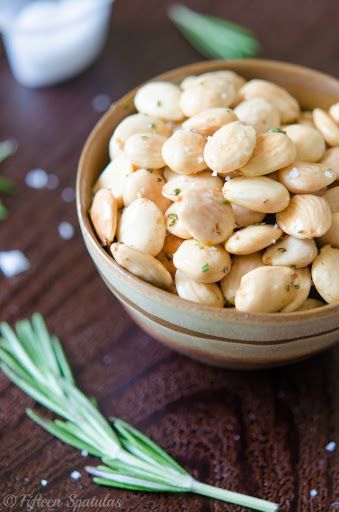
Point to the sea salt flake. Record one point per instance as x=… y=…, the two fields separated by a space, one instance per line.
x=313 y=493
x=68 y=194
x=294 y=173
x=214 y=173
x=66 y=230
x=101 y=102
x=329 y=173
x=228 y=178
x=52 y=182
x=276 y=226
x=36 y=178
x=331 y=446
x=13 y=263
x=84 y=453
x=43 y=483
x=75 y=475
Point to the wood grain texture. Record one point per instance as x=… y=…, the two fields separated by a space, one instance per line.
x=261 y=432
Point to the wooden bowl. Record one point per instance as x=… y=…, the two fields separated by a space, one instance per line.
x=221 y=337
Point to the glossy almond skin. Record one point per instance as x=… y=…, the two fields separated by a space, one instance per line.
x=104 y=214
x=148 y=184
x=332 y=197
x=259 y=113
x=273 y=151
x=201 y=293
x=206 y=216
x=266 y=289
x=252 y=239
x=145 y=150
x=309 y=143
x=173 y=221
x=285 y=103
x=291 y=252
x=182 y=183
x=159 y=99
x=114 y=177
x=207 y=93
x=230 y=147
x=244 y=217
x=307 y=216
x=305 y=178
x=331 y=159
x=325 y=274
x=240 y=266
x=142 y=265
x=209 y=121
x=303 y=283
x=204 y=264
x=183 y=152
x=332 y=235
x=142 y=227
x=136 y=123
x=260 y=194
x=326 y=126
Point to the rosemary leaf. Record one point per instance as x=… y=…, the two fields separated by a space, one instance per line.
x=6 y=185
x=214 y=37
x=3 y=211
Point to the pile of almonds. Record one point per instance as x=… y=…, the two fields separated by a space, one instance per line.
x=224 y=192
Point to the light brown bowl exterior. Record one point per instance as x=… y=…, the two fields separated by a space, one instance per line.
x=221 y=337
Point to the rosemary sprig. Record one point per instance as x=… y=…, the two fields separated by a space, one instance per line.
x=7 y=148
x=35 y=361
x=214 y=37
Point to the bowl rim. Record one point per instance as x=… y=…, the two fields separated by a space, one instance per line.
x=148 y=289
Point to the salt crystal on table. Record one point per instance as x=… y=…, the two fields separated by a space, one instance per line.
x=66 y=230
x=52 y=182
x=36 y=178
x=13 y=263
x=75 y=475
x=68 y=194
x=101 y=102
x=331 y=446
x=313 y=493
x=43 y=483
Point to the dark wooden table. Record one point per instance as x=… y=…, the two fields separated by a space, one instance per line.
x=263 y=432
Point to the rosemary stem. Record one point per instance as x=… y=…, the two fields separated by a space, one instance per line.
x=233 y=497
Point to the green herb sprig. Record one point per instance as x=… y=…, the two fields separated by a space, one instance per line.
x=34 y=360
x=7 y=148
x=214 y=37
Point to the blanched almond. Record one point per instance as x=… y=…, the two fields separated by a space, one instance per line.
x=204 y=264
x=159 y=99
x=136 y=123
x=240 y=266
x=273 y=150
x=303 y=284
x=305 y=178
x=144 y=150
x=173 y=220
x=332 y=235
x=325 y=274
x=307 y=216
x=331 y=159
x=309 y=143
x=205 y=215
x=206 y=94
x=327 y=127
x=332 y=197
x=259 y=113
x=266 y=289
x=142 y=227
x=244 y=217
x=285 y=103
x=114 y=178
x=310 y=304
x=260 y=194
x=201 y=293
x=214 y=76
x=291 y=252
x=209 y=121
x=230 y=147
x=104 y=214
x=183 y=152
x=171 y=245
x=252 y=239
x=142 y=265
x=182 y=183
x=334 y=112
x=148 y=184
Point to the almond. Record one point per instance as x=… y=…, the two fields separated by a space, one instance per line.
x=252 y=239
x=240 y=266
x=183 y=152
x=309 y=143
x=201 y=293
x=291 y=252
x=305 y=178
x=159 y=99
x=326 y=126
x=325 y=274
x=209 y=121
x=104 y=214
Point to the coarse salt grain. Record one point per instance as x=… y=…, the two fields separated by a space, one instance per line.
x=214 y=173
x=313 y=492
x=66 y=230
x=13 y=263
x=294 y=173
x=331 y=446
x=75 y=475
x=36 y=178
x=228 y=178
x=329 y=173
x=43 y=483
x=68 y=194
x=101 y=102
